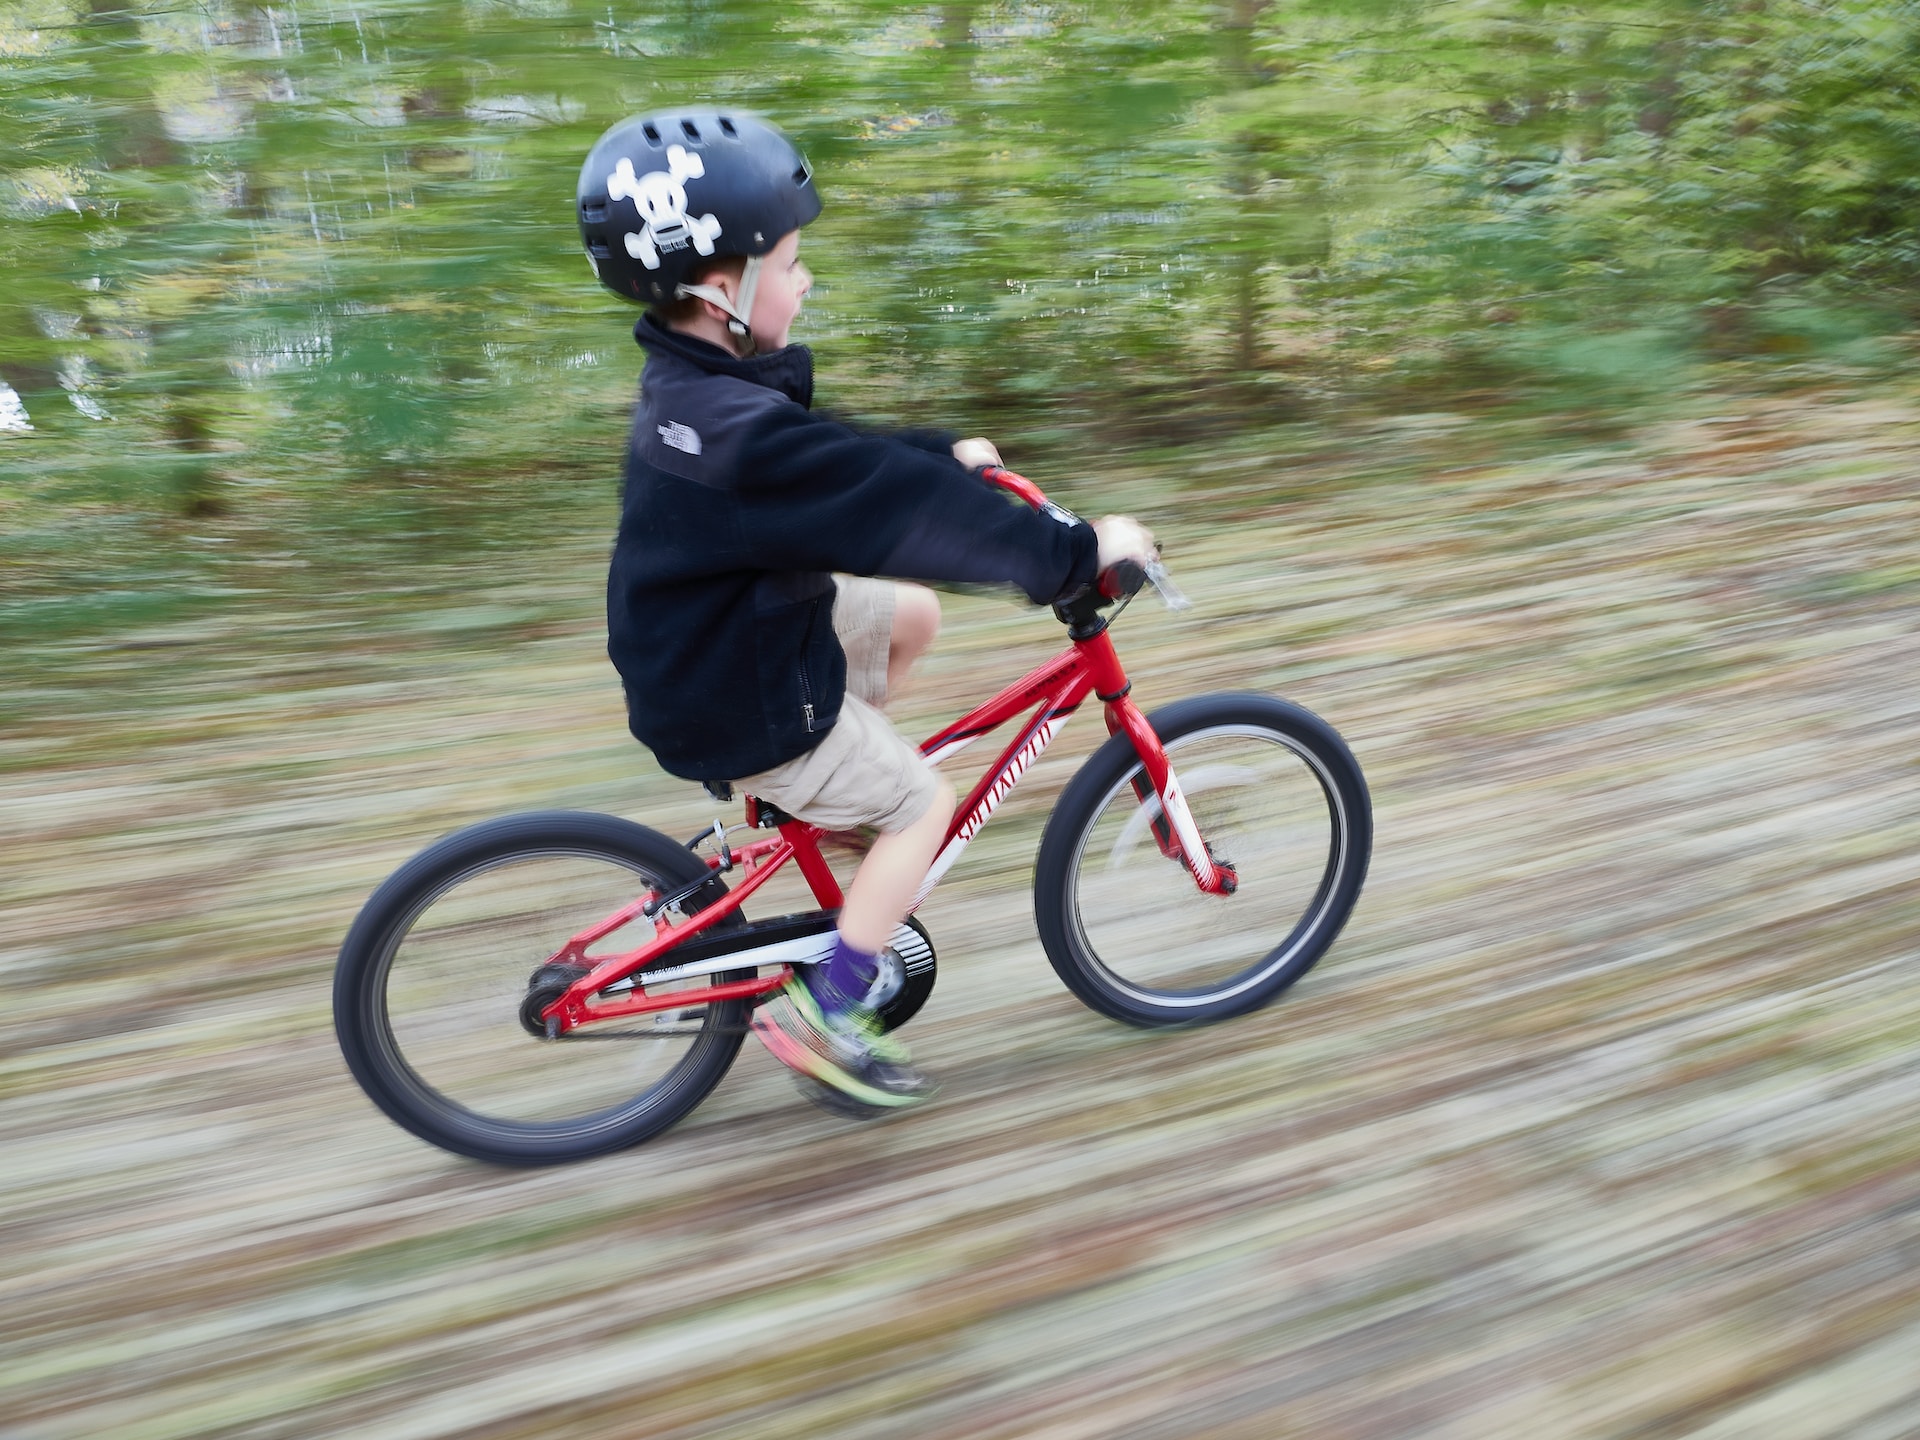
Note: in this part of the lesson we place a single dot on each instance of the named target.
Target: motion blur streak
(1600, 1120)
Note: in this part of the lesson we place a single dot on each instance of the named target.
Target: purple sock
(842, 980)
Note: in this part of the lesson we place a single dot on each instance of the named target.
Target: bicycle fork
(1174, 829)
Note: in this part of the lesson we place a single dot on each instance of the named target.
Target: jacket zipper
(806, 689)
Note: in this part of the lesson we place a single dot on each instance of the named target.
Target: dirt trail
(1603, 1119)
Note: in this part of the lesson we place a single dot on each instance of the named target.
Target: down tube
(997, 783)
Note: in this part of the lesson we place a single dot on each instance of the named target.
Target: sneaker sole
(834, 1102)
(797, 1057)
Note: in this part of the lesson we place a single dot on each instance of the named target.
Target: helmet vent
(599, 250)
(592, 213)
(652, 132)
(726, 128)
(802, 175)
(690, 130)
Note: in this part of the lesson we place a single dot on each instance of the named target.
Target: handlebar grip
(1122, 579)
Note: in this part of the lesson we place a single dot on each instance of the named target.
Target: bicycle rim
(453, 977)
(1269, 808)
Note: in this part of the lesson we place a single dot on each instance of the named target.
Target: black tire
(1276, 793)
(428, 991)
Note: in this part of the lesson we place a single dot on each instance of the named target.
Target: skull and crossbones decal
(661, 198)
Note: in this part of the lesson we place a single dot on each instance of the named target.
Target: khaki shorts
(864, 772)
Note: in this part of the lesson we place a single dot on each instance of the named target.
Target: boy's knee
(945, 799)
(916, 618)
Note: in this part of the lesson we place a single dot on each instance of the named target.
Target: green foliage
(1685, 179)
(321, 254)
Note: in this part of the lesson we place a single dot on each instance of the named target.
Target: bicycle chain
(664, 1032)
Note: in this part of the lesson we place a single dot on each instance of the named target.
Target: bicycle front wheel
(432, 1002)
(1276, 794)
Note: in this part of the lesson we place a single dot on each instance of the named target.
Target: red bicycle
(1198, 863)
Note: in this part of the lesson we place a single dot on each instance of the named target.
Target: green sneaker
(848, 1052)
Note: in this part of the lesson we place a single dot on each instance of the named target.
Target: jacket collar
(788, 370)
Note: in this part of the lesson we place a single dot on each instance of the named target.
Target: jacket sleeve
(937, 442)
(817, 494)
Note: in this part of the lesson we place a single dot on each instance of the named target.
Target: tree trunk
(1244, 175)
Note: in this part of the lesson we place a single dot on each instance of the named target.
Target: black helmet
(662, 195)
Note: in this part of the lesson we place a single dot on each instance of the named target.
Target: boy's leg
(916, 621)
(885, 884)
(876, 902)
(864, 772)
(884, 626)
(907, 618)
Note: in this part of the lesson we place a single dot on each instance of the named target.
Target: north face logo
(680, 437)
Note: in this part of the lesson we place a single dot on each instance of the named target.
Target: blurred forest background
(309, 270)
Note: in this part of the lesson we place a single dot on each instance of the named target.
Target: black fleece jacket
(739, 503)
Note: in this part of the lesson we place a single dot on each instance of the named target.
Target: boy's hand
(976, 453)
(1123, 538)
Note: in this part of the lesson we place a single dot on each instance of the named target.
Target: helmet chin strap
(736, 311)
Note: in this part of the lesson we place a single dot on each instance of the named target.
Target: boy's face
(784, 283)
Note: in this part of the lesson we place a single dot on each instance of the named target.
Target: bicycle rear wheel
(1276, 794)
(435, 975)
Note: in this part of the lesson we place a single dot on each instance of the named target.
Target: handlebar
(1119, 581)
(1015, 484)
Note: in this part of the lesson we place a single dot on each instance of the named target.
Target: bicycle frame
(1051, 693)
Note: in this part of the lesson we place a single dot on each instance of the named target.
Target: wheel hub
(544, 986)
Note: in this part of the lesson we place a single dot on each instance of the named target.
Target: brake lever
(1170, 593)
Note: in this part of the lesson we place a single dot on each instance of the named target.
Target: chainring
(915, 948)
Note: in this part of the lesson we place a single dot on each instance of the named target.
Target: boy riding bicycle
(746, 659)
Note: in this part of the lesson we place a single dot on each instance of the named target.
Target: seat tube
(813, 865)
